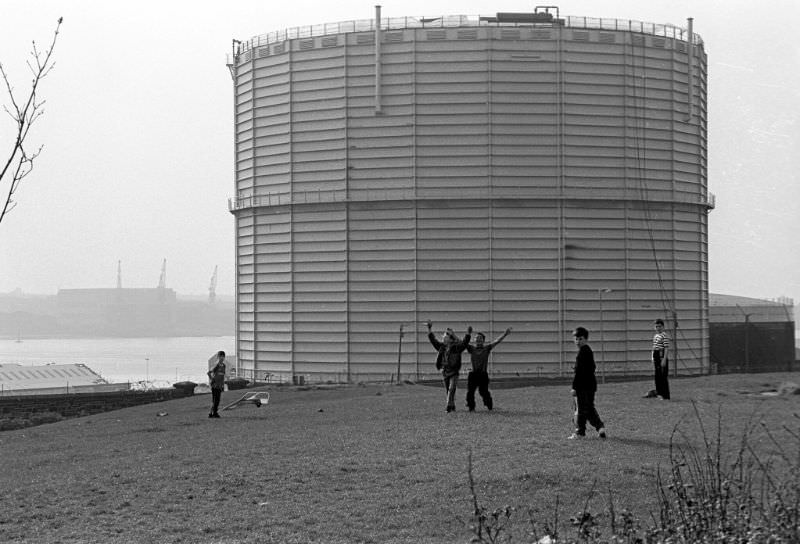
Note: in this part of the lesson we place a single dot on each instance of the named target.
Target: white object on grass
(257, 398)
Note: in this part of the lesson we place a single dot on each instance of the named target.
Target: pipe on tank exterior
(690, 74)
(378, 40)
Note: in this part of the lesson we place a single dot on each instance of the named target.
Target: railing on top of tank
(376, 195)
(445, 21)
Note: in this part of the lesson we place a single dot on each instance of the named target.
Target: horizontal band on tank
(496, 194)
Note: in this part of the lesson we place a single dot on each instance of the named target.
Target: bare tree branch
(24, 113)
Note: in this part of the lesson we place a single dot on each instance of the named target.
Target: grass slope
(353, 464)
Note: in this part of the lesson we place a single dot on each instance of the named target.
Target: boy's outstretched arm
(501, 337)
(432, 337)
(464, 342)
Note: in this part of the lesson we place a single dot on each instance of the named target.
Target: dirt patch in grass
(348, 464)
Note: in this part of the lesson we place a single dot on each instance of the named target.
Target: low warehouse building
(751, 335)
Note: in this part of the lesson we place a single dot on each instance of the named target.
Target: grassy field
(358, 464)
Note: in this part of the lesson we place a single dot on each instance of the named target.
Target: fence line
(613, 373)
(454, 21)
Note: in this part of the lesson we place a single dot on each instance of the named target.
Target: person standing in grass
(216, 378)
(660, 360)
(478, 378)
(448, 359)
(584, 387)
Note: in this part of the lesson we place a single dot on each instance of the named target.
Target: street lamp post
(746, 338)
(747, 343)
(147, 369)
(399, 352)
(602, 347)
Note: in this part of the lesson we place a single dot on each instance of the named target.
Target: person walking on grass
(216, 378)
(448, 359)
(478, 378)
(584, 387)
(660, 360)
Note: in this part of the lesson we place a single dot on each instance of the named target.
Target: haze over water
(123, 359)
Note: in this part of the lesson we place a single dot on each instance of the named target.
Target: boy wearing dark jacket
(584, 387)
(448, 360)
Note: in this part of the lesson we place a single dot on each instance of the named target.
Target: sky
(137, 163)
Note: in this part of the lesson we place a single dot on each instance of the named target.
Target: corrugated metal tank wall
(511, 176)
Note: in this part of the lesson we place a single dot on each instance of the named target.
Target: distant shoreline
(108, 337)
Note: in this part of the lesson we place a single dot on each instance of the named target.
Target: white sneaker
(576, 436)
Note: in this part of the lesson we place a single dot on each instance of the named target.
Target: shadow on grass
(499, 413)
(640, 442)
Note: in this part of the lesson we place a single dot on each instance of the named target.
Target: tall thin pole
(747, 342)
(602, 335)
(675, 343)
(399, 352)
(746, 338)
(602, 346)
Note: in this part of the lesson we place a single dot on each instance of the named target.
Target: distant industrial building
(117, 311)
(751, 335)
(521, 170)
(94, 312)
(137, 312)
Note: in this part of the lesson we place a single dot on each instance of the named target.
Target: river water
(123, 359)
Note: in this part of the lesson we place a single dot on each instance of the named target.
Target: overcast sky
(137, 163)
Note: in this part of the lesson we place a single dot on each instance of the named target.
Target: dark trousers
(478, 380)
(216, 395)
(586, 412)
(661, 375)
